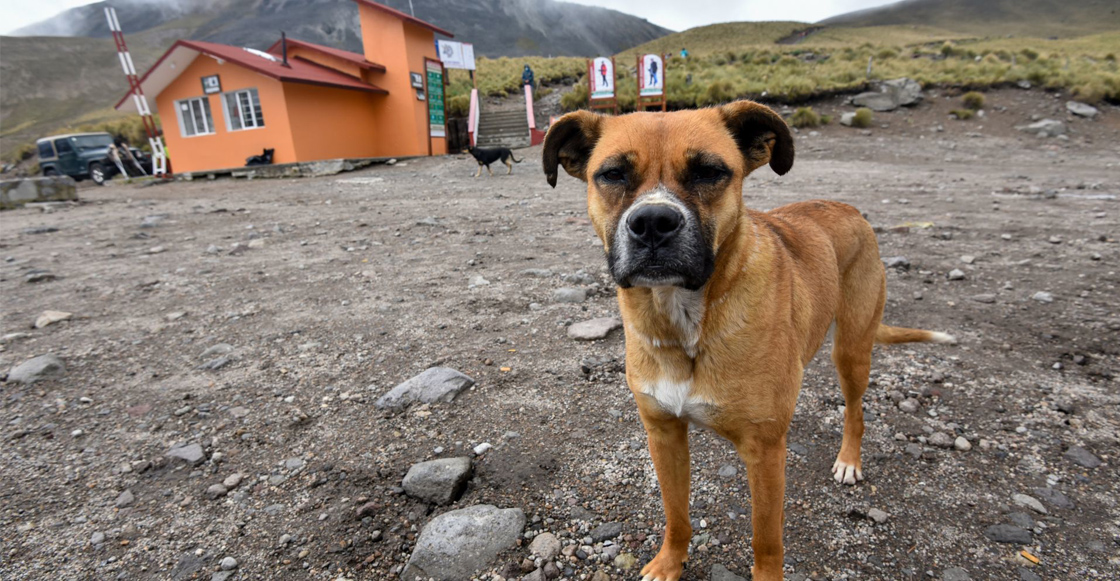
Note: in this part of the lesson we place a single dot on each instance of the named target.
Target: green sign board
(436, 117)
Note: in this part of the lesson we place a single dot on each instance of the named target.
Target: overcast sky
(672, 14)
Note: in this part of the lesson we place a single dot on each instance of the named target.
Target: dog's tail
(887, 335)
(515, 160)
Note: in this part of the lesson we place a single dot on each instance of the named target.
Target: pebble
(1082, 457)
(728, 471)
(125, 499)
(593, 329)
(1004, 533)
(482, 448)
(569, 295)
(97, 538)
(439, 481)
(897, 262)
(941, 440)
(721, 573)
(1043, 297)
(962, 444)
(955, 574)
(625, 561)
(457, 543)
(606, 532)
(984, 298)
(1029, 502)
(877, 515)
(293, 463)
(232, 480)
(545, 546)
(956, 274)
(228, 564)
(51, 317)
(908, 405)
(477, 281)
(216, 491)
(191, 454)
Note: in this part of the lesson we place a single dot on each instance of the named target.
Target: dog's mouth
(686, 267)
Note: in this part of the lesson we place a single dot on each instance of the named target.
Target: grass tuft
(973, 100)
(864, 117)
(805, 117)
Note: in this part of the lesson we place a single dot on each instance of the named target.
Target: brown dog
(724, 306)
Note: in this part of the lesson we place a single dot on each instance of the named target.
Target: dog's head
(664, 190)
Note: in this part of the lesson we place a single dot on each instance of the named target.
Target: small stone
(125, 499)
(256, 243)
(1053, 497)
(156, 250)
(569, 295)
(877, 515)
(728, 471)
(482, 448)
(897, 262)
(51, 317)
(941, 440)
(1082, 457)
(1043, 297)
(606, 532)
(1029, 502)
(477, 281)
(1021, 520)
(191, 454)
(908, 405)
(228, 564)
(439, 481)
(216, 491)
(1082, 109)
(436, 384)
(293, 463)
(984, 298)
(38, 275)
(956, 274)
(545, 546)
(232, 481)
(1028, 575)
(593, 329)
(955, 574)
(968, 259)
(962, 444)
(720, 573)
(456, 544)
(1004, 533)
(914, 450)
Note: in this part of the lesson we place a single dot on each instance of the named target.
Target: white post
(529, 107)
(472, 117)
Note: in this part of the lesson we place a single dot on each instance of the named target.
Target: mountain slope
(496, 27)
(1040, 18)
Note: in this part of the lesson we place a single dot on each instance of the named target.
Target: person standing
(652, 73)
(684, 53)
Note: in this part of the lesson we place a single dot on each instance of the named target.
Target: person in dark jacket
(527, 77)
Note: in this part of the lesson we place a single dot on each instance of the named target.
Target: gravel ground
(253, 324)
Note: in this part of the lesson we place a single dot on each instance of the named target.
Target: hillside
(1039, 18)
(496, 27)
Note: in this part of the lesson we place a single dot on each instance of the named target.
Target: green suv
(81, 156)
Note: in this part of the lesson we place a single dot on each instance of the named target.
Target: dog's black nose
(654, 224)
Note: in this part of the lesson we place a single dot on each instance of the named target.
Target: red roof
(405, 17)
(345, 55)
(297, 71)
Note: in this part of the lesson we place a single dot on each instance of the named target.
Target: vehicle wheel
(50, 172)
(97, 173)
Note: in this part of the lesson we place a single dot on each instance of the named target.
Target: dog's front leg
(765, 457)
(668, 445)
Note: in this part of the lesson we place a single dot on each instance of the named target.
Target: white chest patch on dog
(675, 397)
(685, 310)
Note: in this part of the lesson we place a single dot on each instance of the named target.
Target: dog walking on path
(485, 157)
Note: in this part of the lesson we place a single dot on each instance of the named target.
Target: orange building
(220, 104)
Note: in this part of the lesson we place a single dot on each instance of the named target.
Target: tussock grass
(805, 117)
(962, 114)
(864, 117)
(973, 100)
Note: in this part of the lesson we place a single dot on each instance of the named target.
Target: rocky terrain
(251, 379)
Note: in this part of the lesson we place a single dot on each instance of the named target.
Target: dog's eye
(612, 176)
(708, 173)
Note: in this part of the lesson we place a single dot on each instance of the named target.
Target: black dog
(485, 157)
(265, 158)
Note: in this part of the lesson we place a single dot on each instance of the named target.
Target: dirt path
(330, 291)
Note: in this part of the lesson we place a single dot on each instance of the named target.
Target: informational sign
(211, 85)
(652, 77)
(456, 55)
(417, 80)
(436, 117)
(602, 78)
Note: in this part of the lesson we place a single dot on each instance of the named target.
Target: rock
(728, 471)
(188, 565)
(1029, 502)
(875, 101)
(536, 575)
(438, 481)
(216, 350)
(440, 384)
(961, 444)
(720, 573)
(569, 295)
(256, 243)
(892, 94)
(215, 364)
(228, 564)
(39, 275)
(36, 369)
(908, 405)
(593, 329)
(551, 571)
(456, 544)
(125, 499)
(39, 230)
(606, 532)
(600, 576)
(232, 481)
(956, 274)
(51, 317)
(482, 448)
(191, 454)
(545, 546)
(897, 262)
(1075, 454)
(941, 440)
(847, 118)
(1028, 575)
(477, 281)
(1021, 520)
(1082, 109)
(625, 561)
(968, 258)
(955, 574)
(293, 463)
(216, 491)
(225, 575)
(984, 298)
(1045, 128)
(1053, 497)
(1008, 534)
(97, 538)
(537, 272)
(1043, 297)
(877, 515)
(914, 450)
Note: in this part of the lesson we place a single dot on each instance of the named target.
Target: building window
(243, 110)
(194, 117)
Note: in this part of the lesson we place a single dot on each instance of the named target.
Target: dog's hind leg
(479, 172)
(668, 446)
(489, 171)
(509, 165)
(862, 295)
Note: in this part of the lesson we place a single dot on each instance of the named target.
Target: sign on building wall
(456, 55)
(602, 78)
(436, 119)
(417, 80)
(652, 76)
(211, 85)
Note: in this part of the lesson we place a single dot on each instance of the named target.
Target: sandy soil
(332, 290)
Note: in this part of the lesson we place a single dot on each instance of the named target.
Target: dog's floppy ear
(762, 135)
(569, 143)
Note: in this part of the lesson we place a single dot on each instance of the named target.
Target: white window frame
(208, 118)
(254, 98)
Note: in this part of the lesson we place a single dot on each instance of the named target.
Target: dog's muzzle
(659, 242)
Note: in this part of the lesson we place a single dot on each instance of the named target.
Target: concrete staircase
(506, 128)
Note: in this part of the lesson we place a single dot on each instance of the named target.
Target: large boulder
(438, 481)
(456, 544)
(36, 369)
(437, 384)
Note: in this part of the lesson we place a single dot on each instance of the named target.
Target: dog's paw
(663, 567)
(846, 473)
